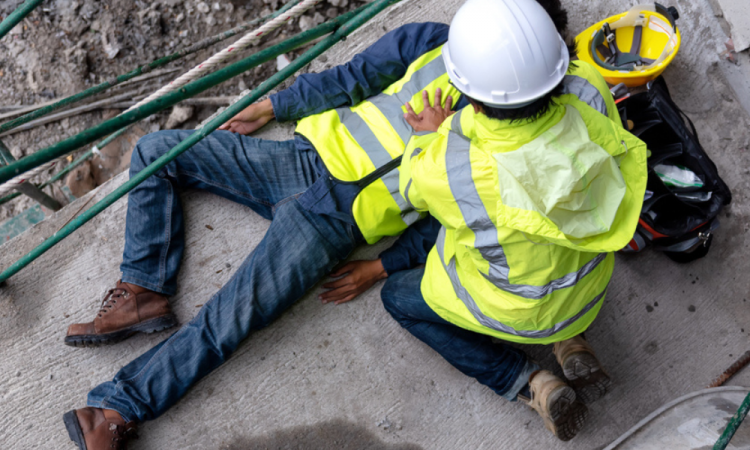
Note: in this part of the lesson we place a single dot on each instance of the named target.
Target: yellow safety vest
(531, 212)
(364, 143)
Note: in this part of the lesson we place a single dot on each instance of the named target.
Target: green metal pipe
(73, 164)
(141, 70)
(17, 16)
(367, 13)
(193, 88)
(733, 425)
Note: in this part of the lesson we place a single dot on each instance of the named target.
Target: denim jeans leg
(502, 368)
(298, 249)
(254, 172)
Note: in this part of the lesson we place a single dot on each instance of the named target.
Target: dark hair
(558, 14)
(530, 112)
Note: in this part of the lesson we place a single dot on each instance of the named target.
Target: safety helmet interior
(504, 53)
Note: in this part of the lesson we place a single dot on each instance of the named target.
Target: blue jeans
(299, 248)
(502, 368)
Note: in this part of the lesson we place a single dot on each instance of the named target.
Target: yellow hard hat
(633, 47)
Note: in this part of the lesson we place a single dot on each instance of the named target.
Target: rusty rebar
(733, 369)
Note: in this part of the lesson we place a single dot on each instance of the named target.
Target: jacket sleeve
(412, 247)
(367, 74)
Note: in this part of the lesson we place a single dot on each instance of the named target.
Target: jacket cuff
(391, 263)
(283, 105)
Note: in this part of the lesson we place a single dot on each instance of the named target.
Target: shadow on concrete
(336, 434)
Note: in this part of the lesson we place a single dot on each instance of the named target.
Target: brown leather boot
(582, 369)
(123, 313)
(98, 429)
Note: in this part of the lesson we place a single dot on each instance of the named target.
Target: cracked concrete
(348, 376)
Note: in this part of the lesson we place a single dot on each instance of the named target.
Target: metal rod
(189, 90)
(140, 70)
(40, 197)
(733, 369)
(17, 16)
(362, 16)
(28, 189)
(71, 112)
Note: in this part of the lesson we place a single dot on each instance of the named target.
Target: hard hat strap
(615, 59)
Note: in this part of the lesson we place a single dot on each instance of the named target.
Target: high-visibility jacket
(531, 212)
(364, 143)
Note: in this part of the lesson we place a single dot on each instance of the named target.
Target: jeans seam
(284, 201)
(219, 185)
(168, 235)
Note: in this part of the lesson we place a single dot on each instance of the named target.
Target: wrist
(266, 108)
(378, 268)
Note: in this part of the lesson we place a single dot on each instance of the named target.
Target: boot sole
(74, 429)
(566, 413)
(148, 327)
(586, 376)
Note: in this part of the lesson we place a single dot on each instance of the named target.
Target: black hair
(558, 14)
(530, 112)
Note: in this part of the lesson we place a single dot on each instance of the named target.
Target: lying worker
(534, 189)
(330, 189)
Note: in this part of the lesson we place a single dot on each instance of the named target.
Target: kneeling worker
(534, 189)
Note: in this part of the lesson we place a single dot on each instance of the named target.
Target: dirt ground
(65, 46)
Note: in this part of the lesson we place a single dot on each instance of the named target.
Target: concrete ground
(328, 377)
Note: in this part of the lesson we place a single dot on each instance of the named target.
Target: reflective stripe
(408, 183)
(390, 105)
(461, 181)
(489, 322)
(456, 123)
(379, 156)
(585, 91)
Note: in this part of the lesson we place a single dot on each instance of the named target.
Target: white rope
(196, 72)
(225, 54)
(13, 183)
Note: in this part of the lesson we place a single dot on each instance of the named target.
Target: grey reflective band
(390, 105)
(456, 123)
(461, 182)
(585, 91)
(491, 323)
(408, 184)
(379, 156)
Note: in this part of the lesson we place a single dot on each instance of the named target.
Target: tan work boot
(582, 369)
(125, 310)
(556, 402)
(98, 429)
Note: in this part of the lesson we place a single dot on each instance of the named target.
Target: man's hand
(251, 118)
(359, 277)
(431, 116)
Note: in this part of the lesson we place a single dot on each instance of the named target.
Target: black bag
(679, 221)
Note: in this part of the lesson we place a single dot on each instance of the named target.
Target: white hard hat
(504, 53)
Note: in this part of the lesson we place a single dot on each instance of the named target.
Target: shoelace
(111, 299)
(121, 435)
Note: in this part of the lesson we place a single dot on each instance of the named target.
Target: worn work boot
(125, 310)
(557, 403)
(98, 429)
(582, 369)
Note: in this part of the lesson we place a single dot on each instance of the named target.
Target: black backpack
(679, 221)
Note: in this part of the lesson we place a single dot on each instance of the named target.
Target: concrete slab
(348, 376)
(737, 13)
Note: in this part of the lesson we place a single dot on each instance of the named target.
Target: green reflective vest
(531, 214)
